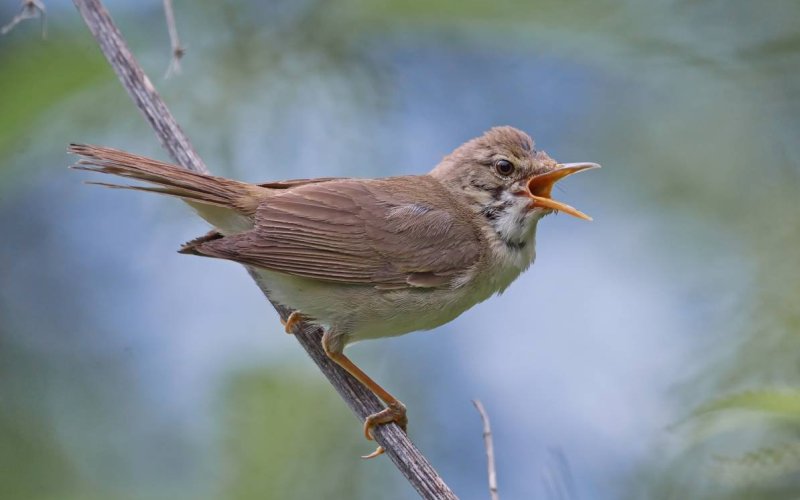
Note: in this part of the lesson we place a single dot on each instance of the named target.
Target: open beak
(540, 186)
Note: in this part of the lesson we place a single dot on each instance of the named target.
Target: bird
(371, 258)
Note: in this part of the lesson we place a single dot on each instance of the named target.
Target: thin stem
(178, 51)
(489, 445)
(29, 9)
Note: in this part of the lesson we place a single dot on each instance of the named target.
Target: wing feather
(377, 232)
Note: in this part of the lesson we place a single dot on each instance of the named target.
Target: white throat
(511, 234)
(512, 220)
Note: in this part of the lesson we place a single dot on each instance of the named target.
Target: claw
(292, 321)
(393, 413)
(378, 452)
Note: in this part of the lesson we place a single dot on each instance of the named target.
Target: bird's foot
(292, 321)
(395, 412)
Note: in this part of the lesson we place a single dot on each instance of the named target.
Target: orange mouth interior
(541, 186)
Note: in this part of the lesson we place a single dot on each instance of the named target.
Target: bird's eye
(504, 167)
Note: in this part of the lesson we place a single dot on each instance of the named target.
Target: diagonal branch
(411, 463)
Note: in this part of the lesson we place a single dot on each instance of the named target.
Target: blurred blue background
(653, 353)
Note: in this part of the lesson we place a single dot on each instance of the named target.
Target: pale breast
(364, 312)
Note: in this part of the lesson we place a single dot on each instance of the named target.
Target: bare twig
(406, 457)
(178, 51)
(29, 9)
(489, 444)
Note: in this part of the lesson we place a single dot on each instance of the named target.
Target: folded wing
(380, 232)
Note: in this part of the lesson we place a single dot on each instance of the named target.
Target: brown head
(502, 176)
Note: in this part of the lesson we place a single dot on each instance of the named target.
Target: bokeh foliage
(695, 116)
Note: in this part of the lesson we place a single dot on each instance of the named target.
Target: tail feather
(192, 247)
(170, 180)
(190, 197)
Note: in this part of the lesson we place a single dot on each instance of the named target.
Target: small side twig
(178, 50)
(30, 9)
(489, 444)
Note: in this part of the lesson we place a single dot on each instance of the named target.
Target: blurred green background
(654, 353)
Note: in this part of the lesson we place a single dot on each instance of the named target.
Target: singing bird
(372, 258)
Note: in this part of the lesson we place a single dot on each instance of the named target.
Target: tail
(203, 192)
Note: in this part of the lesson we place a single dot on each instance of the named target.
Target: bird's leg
(292, 321)
(395, 411)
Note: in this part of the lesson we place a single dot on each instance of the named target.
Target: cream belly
(363, 312)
